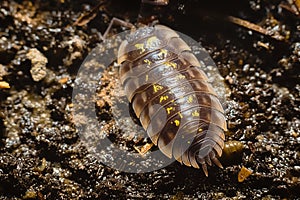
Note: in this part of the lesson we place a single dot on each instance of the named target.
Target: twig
(86, 18)
(254, 27)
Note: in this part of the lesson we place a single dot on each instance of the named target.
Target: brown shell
(170, 95)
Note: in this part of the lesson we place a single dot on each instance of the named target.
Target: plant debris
(243, 174)
(256, 28)
(4, 85)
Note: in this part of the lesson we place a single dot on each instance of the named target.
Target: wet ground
(42, 155)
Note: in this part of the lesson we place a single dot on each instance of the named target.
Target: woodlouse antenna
(120, 22)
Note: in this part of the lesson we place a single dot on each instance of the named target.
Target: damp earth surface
(42, 47)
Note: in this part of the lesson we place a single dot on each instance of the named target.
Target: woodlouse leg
(117, 21)
(156, 2)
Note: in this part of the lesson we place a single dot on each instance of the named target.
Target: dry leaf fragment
(243, 174)
(144, 149)
(4, 85)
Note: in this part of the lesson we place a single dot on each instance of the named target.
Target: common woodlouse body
(172, 97)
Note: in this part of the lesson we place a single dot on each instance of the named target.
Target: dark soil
(41, 153)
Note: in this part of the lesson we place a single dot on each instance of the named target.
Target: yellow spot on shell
(163, 98)
(140, 47)
(180, 115)
(171, 64)
(195, 113)
(169, 110)
(180, 77)
(157, 88)
(190, 99)
(163, 53)
(147, 61)
(200, 129)
(152, 42)
(147, 77)
(177, 122)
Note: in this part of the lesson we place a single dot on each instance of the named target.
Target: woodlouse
(172, 97)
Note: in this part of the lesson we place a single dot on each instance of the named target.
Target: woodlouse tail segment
(202, 162)
(217, 162)
(211, 157)
(204, 168)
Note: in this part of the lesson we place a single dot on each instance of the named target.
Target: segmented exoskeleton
(172, 97)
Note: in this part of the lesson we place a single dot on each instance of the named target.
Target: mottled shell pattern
(172, 97)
